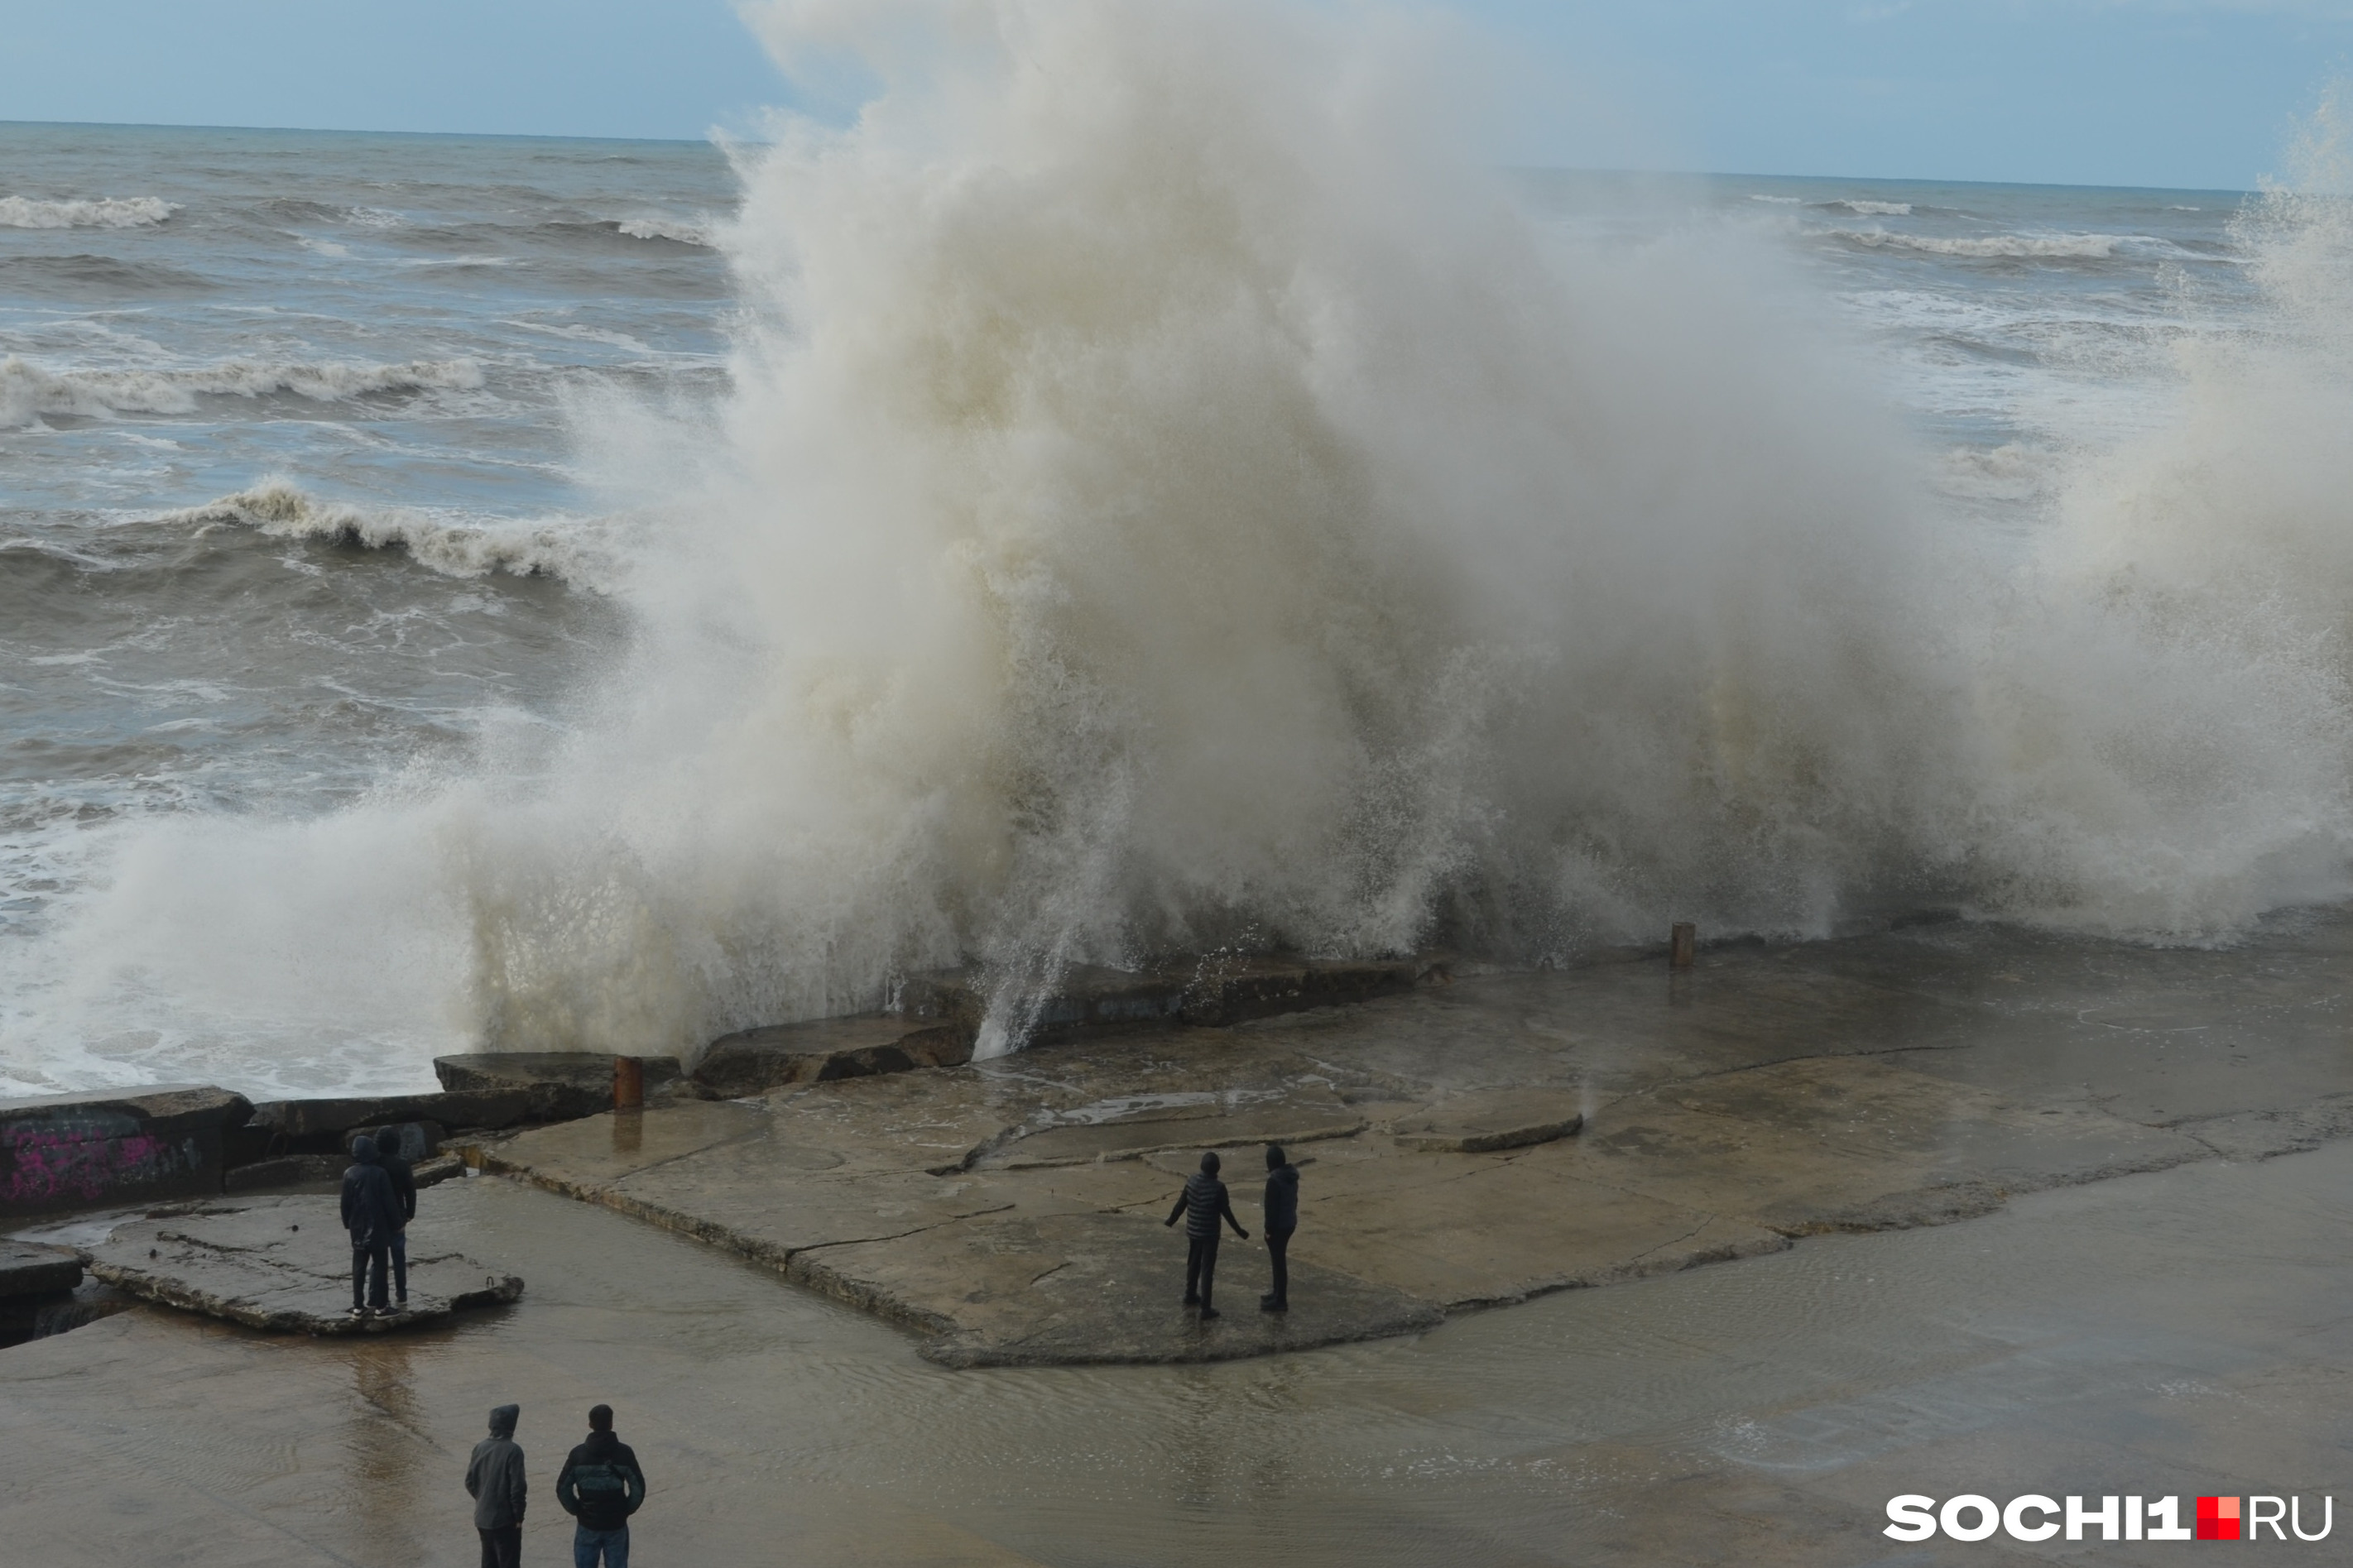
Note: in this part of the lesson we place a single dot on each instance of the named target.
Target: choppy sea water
(308, 504)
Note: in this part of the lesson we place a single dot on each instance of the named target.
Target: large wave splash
(1175, 499)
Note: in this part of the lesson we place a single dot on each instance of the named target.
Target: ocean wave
(2018, 246)
(1781, 201)
(28, 392)
(670, 228)
(454, 545)
(1874, 209)
(126, 212)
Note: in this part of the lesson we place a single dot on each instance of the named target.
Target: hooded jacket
(494, 1477)
(1282, 1200)
(371, 1209)
(1203, 1203)
(601, 1483)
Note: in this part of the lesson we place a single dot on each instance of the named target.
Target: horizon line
(711, 138)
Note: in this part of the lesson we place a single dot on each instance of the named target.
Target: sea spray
(1173, 498)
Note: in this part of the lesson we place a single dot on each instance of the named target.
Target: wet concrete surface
(1495, 1138)
(2184, 1332)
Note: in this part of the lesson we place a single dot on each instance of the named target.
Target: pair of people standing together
(1204, 1202)
(600, 1485)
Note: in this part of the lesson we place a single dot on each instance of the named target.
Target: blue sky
(2184, 92)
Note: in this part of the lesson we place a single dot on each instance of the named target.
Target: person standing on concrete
(601, 1486)
(1282, 1219)
(404, 1187)
(495, 1480)
(372, 1213)
(1203, 1203)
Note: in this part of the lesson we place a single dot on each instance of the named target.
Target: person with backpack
(495, 1480)
(1203, 1203)
(601, 1487)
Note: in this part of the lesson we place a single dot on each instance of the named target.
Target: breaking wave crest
(676, 229)
(466, 547)
(128, 212)
(1171, 501)
(2020, 247)
(28, 392)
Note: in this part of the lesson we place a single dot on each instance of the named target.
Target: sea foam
(129, 212)
(28, 391)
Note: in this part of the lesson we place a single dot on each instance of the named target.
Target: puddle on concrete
(2184, 1331)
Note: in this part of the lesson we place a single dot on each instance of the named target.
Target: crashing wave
(126, 212)
(455, 546)
(28, 392)
(1874, 209)
(675, 229)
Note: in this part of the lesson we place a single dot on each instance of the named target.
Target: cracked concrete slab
(282, 1264)
(1008, 1209)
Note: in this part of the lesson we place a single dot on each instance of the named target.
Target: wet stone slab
(284, 1265)
(1481, 1141)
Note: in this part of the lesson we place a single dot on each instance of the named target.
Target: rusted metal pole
(1682, 945)
(629, 1084)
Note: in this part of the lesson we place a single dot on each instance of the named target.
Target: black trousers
(1200, 1267)
(501, 1547)
(1278, 1248)
(369, 1260)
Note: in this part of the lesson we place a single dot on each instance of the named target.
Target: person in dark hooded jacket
(404, 1187)
(495, 1480)
(601, 1486)
(1282, 1219)
(372, 1213)
(1202, 1205)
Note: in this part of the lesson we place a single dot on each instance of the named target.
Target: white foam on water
(574, 550)
(680, 229)
(28, 391)
(1172, 497)
(112, 212)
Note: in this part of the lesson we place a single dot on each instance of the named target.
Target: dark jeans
(400, 1264)
(501, 1547)
(1200, 1267)
(587, 1544)
(368, 1263)
(1278, 1246)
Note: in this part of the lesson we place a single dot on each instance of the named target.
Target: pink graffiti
(39, 1166)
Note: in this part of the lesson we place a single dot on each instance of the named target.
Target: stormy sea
(563, 594)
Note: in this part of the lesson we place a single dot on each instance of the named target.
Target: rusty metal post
(629, 1084)
(1682, 945)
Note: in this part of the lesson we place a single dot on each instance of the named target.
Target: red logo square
(2217, 1518)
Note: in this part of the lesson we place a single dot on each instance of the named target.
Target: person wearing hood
(1203, 1204)
(404, 1187)
(372, 1213)
(601, 1486)
(495, 1480)
(1282, 1219)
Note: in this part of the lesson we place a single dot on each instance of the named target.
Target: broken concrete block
(757, 1060)
(1479, 1123)
(28, 1269)
(283, 1263)
(112, 1146)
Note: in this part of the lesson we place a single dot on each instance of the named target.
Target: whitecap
(126, 212)
(677, 229)
(28, 391)
(457, 545)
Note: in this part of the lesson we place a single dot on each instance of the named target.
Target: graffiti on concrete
(60, 1159)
